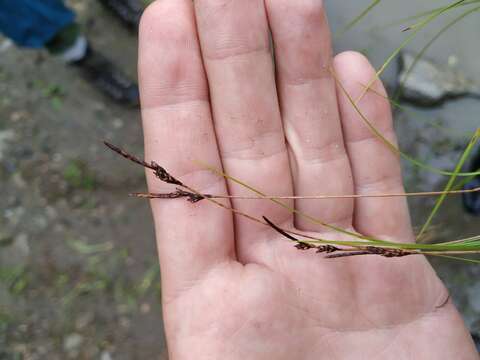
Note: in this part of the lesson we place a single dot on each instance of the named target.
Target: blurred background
(79, 277)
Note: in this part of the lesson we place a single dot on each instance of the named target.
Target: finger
(376, 169)
(309, 110)
(235, 46)
(178, 128)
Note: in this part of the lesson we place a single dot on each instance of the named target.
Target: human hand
(236, 289)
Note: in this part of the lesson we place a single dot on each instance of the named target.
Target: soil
(78, 267)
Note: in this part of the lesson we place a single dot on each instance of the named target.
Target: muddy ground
(79, 277)
(79, 273)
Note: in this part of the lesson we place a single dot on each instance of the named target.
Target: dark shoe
(471, 201)
(108, 78)
(128, 11)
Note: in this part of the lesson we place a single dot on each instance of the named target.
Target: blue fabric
(471, 201)
(32, 23)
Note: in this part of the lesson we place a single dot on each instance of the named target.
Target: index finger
(178, 129)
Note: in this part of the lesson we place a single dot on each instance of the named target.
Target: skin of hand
(236, 289)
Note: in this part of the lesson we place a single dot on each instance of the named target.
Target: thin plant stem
(285, 206)
(358, 18)
(416, 28)
(304, 197)
(416, 16)
(427, 46)
(390, 145)
(363, 246)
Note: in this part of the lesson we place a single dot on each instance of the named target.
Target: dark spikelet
(276, 228)
(194, 198)
(303, 246)
(390, 253)
(179, 193)
(372, 250)
(159, 171)
(127, 155)
(163, 175)
(327, 249)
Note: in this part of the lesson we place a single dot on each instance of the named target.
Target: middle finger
(235, 42)
(319, 161)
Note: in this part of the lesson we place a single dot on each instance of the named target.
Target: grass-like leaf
(285, 206)
(414, 29)
(390, 145)
(358, 18)
(451, 182)
(335, 249)
(420, 15)
(427, 46)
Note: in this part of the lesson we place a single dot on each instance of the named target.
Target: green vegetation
(52, 91)
(78, 176)
(15, 279)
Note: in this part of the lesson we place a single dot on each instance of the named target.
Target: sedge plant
(356, 244)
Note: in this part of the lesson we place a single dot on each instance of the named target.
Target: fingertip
(166, 20)
(353, 61)
(169, 64)
(151, 17)
(351, 56)
(355, 72)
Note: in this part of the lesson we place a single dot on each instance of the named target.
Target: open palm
(236, 289)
